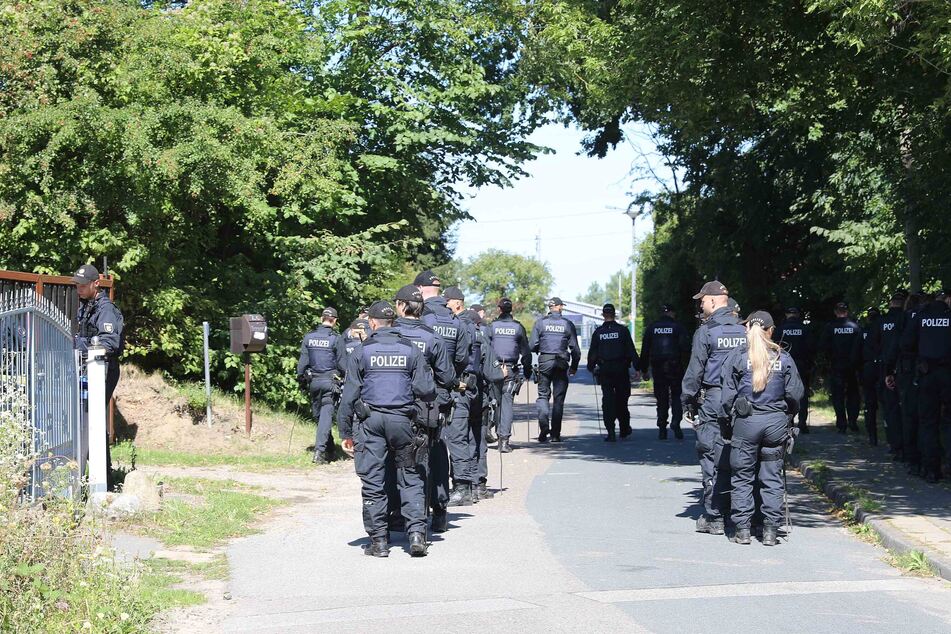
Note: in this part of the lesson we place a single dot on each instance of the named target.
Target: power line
(555, 217)
(534, 238)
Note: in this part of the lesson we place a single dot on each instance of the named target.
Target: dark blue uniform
(929, 338)
(453, 405)
(760, 437)
(842, 344)
(900, 362)
(321, 353)
(510, 343)
(889, 337)
(713, 342)
(663, 348)
(483, 365)
(386, 375)
(871, 374)
(555, 341)
(612, 353)
(796, 339)
(99, 317)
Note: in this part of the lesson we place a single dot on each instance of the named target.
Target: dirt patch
(156, 415)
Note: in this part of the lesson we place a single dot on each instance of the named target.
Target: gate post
(96, 372)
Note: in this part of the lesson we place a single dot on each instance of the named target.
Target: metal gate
(40, 383)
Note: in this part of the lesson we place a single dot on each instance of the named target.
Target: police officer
(713, 342)
(510, 343)
(353, 336)
(409, 305)
(99, 317)
(842, 344)
(386, 375)
(453, 404)
(871, 371)
(555, 340)
(929, 338)
(889, 337)
(794, 336)
(485, 367)
(901, 375)
(761, 391)
(321, 354)
(663, 347)
(610, 356)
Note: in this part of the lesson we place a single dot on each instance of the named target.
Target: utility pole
(538, 245)
(632, 214)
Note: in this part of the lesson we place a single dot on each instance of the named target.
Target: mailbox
(248, 334)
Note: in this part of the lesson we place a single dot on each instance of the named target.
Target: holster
(361, 410)
(742, 407)
(427, 414)
(420, 445)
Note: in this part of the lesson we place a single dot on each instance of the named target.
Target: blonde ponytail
(763, 353)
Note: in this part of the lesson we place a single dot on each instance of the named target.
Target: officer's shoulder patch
(107, 327)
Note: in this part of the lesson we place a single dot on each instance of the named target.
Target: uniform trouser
(804, 401)
(462, 443)
(479, 423)
(871, 373)
(891, 410)
(934, 415)
(506, 409)
(438, 473)
(615, 393)
(844, 392)
(322, 408)
(552, 385)
(668, 377)
(908, 399)
(373, 439)
(758, 439)
(112, 379)
(714, 454)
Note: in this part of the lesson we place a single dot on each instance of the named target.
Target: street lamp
(633, 214)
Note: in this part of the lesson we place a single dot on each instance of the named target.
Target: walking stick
(597, 405)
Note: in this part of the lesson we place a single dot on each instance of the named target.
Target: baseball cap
(505, 303)
(382, 310)
(941, 295)
(409, 293)
(329, 312)
(761, 317)
(474, 316)
(608, 308)
(555, 301)
(713, 287)
(842, 306)
(666, 308)
(427, 278)
(900, 294)
(477, 307)
(793, 310)
(733, 305)
(453, 292)
(85, 274)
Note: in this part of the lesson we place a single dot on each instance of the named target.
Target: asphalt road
(586, 536)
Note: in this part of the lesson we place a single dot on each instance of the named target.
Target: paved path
(587, 537)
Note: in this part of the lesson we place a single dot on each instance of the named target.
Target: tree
(494, 274)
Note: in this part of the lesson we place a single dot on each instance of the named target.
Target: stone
(125, 505)
(141, 485)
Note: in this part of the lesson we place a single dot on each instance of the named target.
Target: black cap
(733, 305)
(793, 310)
(409, 293)
(942, 295)
(453, 292)
(761, 317)
(874, 312)
(427, 278)
(555, 301)
(85, 274)
(608, 308)
(477, 307)
(842, 306)
(363, 309)
(329, 312)
(899, 296)
(505, 304)
(713, 287)
(474, 316)
(360, 324)
(666, 308)
(382, 310)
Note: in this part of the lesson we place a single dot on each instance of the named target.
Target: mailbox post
(248, 335)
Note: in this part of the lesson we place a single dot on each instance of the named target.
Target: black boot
(440, 521)
(742, 536)
(417, 544)
(706, 525)
(770, 536)
(543, 435)
(490, 436)
(803, 428)
(461, 495)
(396, 524)
(662, 433)
(320, 457)
(678, 432)
(482, 490)
(610, 437)
(853, 426)
(378, 547)
(504, 445)
(626, 432)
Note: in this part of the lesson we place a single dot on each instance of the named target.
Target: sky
(575, 203)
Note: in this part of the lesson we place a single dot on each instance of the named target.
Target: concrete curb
(892, 538)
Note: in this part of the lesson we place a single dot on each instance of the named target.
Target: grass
(194, 393)
(913, 562)
(122, 453)
(821, 404)
(216, 569)
(222, 509)
(821, 470)
(863, 499)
